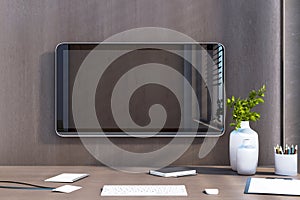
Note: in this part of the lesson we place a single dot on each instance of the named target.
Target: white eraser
(211, 191)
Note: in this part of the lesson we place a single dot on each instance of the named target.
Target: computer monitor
(139, 89)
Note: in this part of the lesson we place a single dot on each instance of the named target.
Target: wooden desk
(230, 184)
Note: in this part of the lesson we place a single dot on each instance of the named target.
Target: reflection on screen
(140, 89)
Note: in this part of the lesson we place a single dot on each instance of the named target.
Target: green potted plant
(241, 114)
(242, 107)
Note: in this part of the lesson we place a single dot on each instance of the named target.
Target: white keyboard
(143, 190)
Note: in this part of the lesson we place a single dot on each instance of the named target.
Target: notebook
(67, 177)
(173, 172)
(276, 186)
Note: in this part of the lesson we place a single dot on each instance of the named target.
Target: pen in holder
(286, 162)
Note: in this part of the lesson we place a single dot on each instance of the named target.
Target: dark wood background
(30, 30)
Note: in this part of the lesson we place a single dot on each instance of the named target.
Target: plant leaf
(232, 124)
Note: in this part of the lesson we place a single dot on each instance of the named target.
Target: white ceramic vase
(246, 159)
(236, 140)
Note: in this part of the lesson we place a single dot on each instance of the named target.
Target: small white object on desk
(66, 178)
(286, 160)
(212, 191)
(66, 189)
(286, 164)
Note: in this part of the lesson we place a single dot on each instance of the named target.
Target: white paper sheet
(66, 189)
(66, 178)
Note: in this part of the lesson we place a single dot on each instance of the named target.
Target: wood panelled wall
(30, 30)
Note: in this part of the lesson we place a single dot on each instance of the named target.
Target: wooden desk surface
(230, 184)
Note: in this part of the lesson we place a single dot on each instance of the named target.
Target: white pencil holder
(286, 164)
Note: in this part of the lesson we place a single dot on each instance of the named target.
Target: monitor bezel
(59, 47)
